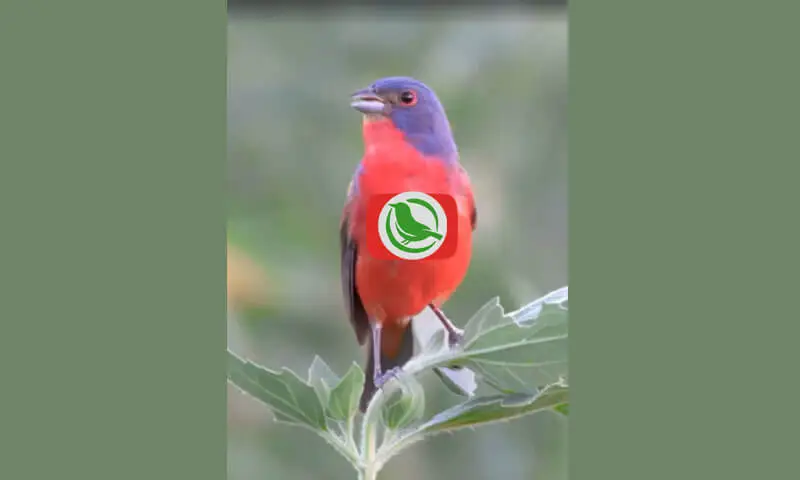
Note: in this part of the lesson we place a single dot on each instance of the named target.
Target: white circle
(420, 213)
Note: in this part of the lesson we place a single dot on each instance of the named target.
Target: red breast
(394, 290)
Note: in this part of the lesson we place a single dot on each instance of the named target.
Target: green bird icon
(409, 228)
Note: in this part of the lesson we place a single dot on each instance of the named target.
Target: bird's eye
(408, 98)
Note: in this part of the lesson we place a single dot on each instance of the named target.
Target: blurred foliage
(293, 143)
(532, 339)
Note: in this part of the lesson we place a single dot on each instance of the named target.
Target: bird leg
(379, 377)
(454, 334)
(380, 380)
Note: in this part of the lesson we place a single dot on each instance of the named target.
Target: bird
(408, 146)
(409, 228)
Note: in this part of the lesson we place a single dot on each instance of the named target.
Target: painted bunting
(409, 146)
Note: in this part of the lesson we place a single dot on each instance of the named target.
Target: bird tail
(397, 348)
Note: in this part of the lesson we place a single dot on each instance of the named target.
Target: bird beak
(368, 102)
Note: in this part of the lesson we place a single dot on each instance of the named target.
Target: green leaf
(484, 410)
(433, 338)
(522, 358)
(563, 409)
(532, 311)
(460, 381)
(476, 324)
(343, 402)
(505, 379)
(503, 340)
(520, 352)
(404, 405)
(322, 379)
(290, 398)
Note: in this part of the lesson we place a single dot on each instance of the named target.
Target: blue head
(414, 109)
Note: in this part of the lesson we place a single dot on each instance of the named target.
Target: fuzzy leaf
(343, 402)
(460, 381)
(404, 405)
(322, 379)
(483, 410)
(476, 323)
(291, 399)
(531, 311)
(519, 352)
(433, 338)
(525, 357)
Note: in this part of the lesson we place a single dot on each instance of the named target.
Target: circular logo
(412, 225)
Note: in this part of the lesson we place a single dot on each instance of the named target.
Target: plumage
(407, 148)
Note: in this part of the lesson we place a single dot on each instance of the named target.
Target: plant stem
(370, 467)
(369, 432)
(369, 470)
(349, 434)
(368, 447)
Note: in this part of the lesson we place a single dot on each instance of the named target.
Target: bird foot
(380, 379)
(454, 334)
(455, 337)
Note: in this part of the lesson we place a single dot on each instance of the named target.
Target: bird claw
(455, 338)
(380, 379)
(454, 334)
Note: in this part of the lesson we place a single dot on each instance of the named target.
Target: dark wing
(474, 217)
(467, 186)
(355, 309)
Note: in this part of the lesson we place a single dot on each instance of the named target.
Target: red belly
(392, 290)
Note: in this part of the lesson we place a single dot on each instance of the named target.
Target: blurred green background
(293, 142)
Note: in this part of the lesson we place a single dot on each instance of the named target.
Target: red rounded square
(375, 245)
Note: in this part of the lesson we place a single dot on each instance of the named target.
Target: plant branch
(502, 349)
(369, 433)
